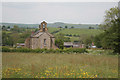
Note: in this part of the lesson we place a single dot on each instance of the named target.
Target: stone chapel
(41, 39)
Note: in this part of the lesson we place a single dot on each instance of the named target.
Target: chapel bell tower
(43, 27)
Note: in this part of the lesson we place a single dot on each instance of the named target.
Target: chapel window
(44, 41)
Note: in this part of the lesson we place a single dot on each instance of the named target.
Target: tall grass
(37, 65)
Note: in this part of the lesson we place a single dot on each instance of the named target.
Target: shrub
(37, 51)
(23, 50)
(5, 49)
(66, 50)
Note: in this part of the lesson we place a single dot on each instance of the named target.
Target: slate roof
(38, 33)
(71, 44)
(68, 44)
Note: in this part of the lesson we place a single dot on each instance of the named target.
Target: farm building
(73, 45)
(68, 44)
(41, 39)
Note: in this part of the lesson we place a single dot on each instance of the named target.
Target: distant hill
(21, 25)
(56, 24)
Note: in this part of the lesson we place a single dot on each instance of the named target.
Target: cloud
(35, 12)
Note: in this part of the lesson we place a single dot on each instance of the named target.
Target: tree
(59, 43)
(8, 27)
(7, 39)
(66, 27)
(72, 27)
(36, 29)
(90, 27)
(16, 28)
(60, 27)
(66, 39)
(111, 27)
(60, 39)
(15, 37)
(112, 36)
(88, 42)
(97, 40)
(110, 17)
(3, 27)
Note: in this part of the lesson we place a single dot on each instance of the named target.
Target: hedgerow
(27, 50)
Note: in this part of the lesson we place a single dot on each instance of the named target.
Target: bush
(5, 49)
(66, 50)
(77, 50)
(37, 50)
(23, 50)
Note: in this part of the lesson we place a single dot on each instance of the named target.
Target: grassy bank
(59, 65)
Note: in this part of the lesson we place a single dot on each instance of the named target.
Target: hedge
(26, 50)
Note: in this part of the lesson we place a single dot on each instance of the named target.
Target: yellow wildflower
(95, 75)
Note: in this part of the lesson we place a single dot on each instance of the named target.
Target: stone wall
(53, 44)
(34, 43)
(27, 43)
(38, 42)
(48, 41)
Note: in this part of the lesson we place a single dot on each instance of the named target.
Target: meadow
(82, 32)
(34, 65)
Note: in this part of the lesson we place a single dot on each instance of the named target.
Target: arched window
(44, 41)
(43, 27)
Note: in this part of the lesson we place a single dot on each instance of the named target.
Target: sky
(67, 12)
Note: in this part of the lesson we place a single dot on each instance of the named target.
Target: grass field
(35, 65)
(84, 33)
(81, 31)
(52, 29)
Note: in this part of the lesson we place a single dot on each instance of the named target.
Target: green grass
(16, 65)
(52, 29)
(79, 31)
(74, 38)
(84, 33)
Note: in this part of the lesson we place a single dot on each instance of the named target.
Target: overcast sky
(74, 12)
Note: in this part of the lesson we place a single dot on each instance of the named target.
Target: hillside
(56, 24)
(60, 24)
(83, 33)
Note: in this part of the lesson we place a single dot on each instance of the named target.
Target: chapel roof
(38, 34)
